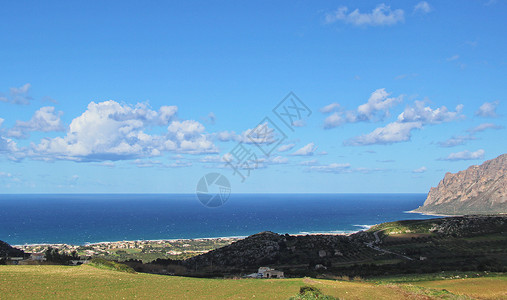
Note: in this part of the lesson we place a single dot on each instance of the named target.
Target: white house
(37, 256)
(267, 272)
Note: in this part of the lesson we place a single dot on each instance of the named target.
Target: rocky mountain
(476, 190)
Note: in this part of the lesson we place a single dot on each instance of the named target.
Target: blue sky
(131, 97)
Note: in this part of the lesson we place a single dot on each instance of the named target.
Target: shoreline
(430, 214)
(333, 232)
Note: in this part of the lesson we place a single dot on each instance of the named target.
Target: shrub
(311, 293)
(110, 265)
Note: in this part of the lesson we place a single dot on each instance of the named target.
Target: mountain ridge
(480, 189)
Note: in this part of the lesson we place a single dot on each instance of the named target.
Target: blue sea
(91, 218)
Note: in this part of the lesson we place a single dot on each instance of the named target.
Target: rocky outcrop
(476, 190)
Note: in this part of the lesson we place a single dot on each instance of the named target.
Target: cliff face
(476, 190)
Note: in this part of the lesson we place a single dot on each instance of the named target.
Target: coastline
(333, 232)
(430, 214)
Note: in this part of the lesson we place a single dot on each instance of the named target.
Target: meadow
(81, 282)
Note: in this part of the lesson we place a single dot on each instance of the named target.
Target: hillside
(7, 251)
(36, 282)
(476, 190)
(471, 243)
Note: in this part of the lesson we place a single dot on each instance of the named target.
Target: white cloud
(379, 16)
(147, 163)
(262, 134)
(278, 160)
(311, 162)
(333, 120)
(331, 168)
(18, 95)
(379, 101)
(462, 139)
(456, 141)
(286, 147)
(466, 155)
(488, 109)
(307, 150)
(226, 136)
(413, 117)
(392, 133)
(452, 58)
(210, 119)
(420, 170)
(422, 7)
(427, 115)
(483, 127)
(299, 123)
(112, 131)
(330, 107)
(376, 108)
(212, 159)
(44, 120)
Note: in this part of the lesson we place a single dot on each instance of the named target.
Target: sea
(91, 218)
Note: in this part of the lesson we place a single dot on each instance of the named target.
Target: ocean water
(91, 218)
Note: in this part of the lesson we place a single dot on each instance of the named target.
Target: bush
(110, 265)
(311, 293)
(304, 289)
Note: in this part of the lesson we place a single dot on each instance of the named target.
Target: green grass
(110, 265)
(63, 282)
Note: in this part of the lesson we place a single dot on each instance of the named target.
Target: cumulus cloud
(44, 120)
(420, 170)
(426, 115)
(392, 133)
(413, 117)
(381, 15)
(18, 95)
(376, 108)
(334, 120)
(488, 109)
(466, 155)
(422, 7)
(112, 131)
(307, 150)
(330, 107)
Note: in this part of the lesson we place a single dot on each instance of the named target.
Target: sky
(277, 96)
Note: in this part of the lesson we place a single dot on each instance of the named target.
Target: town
(146, 251)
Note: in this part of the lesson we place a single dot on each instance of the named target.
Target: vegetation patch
(110, 265)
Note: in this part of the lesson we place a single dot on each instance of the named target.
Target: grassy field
(30, 282)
